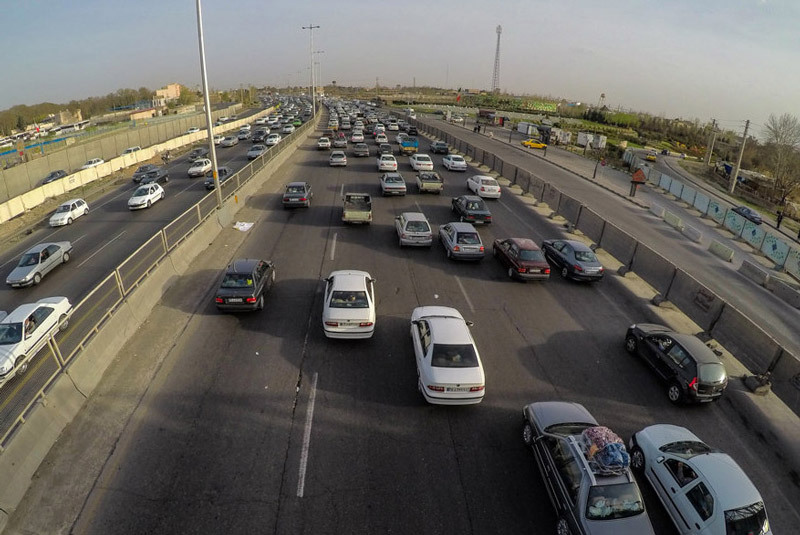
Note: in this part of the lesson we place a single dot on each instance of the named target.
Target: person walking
(779, 219)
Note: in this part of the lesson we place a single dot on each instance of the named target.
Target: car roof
(701, 352)
(577, 245)
(459, 226)
(296, 184)
(414, 216)
(549, 413)
(71, 201)
(349, 279)
(38, 247)
(242, 265)
(731, 485)
(471, 198)
(524, 243)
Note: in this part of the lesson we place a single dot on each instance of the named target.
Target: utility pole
(735, 171)
(207, 102)
(311, 29)
(710, 148)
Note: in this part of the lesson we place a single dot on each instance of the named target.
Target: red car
(522, 257)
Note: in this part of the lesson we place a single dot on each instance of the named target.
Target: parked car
(349, 305)
(484, 186)
(461, 241)
(244, 285)
(94, 162)
(323, 143)
(256, 151)
(192, 130)
(534, 144)
(26, 329)
(131, 150)
(414, 229)
(69, 211)
(454, 162)
(691, 371)
(37, 262)
(523, 258)
(585, 469)
(439, 147)
(297, 194)
(421, 162)
(52, 176)
(748, 213)
(199, 152)
(449, 368)
(155, 176)
(273, 139)
(387, 162)
(471, 209)
(337, 159)
(360, 150)
(142, 171)
(573, 259)
(199, 167)
(428, 181)
(223, 174)
(145, 196)
(392, 184)
(704, 491)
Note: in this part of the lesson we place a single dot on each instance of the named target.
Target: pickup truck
(357, 208)
(409, 145)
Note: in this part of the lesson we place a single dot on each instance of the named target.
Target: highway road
(258, 423)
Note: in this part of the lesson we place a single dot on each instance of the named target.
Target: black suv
(412, 131)
(691, 370)
(439, 147)
(244, 285)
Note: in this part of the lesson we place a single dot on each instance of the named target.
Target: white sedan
(26, 330)
(421, 162)
(218, 139)
(145, 196)
(256, 151)
(348, 310)
(454, 162)
(200, 167)
(381, 138)
(387, 162)
(449, 369)
(94, 162)
(272, 139)
(484, 186)
(357, 137)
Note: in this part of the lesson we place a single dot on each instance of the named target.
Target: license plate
(534, 271)
(235, 300)
(457, 389)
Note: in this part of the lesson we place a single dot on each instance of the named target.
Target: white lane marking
(417, 205)
(79, 238)
(523, 221)
(333, 246)
(103, 247)
(463, 291)
(301, 483)
(114, 198)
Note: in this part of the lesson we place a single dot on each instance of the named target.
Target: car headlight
(5, 368)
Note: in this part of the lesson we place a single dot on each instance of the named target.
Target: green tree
(782, 141)
(187, 96)
(20, 123)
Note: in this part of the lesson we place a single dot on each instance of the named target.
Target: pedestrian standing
(779, 219)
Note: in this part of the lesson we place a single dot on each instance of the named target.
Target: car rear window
(10, 333)
(468, 238)
(457, 159)
(608, 502)
(237, 280)
(713, 372)
(418, 226)
(533, 256)
(357, 299)
(454, 356)
(585, 256)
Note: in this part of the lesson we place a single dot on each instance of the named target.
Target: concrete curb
(721, 250)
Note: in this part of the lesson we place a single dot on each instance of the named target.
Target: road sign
(639, 177)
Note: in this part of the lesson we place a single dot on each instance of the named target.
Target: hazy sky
(728, 59)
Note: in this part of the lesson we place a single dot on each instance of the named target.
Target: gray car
(297, 194)
(461, 241)
(37, 262)
(573, 259)
(585, 469)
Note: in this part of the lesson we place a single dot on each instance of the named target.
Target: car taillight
(476, 388)
(436, 388)
(488, 217)
(546, 271)
(251, 299)
(481, 248)
(365, 324)
(577, 267)
(456, 248)
(286, 199)
(303, 199)
(332, 323)
(403, 235)
(521, 270)
(483, 189)
(693, 384)
(601, 269)
(219, 300)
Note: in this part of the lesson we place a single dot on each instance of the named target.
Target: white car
(192, 130)
(94, 162)
(454, 162)
(229, 141)
(287, 129)
(200, 167)
(392, 184)
(387, 162)
(484, 186)
(261, 120)
(421, 162)
(218, 139)
(414, 229)
(245, 127)
(348, 309)
(26, 330)
(449, 369)
(273, 139)
(224, 118)
(69, 211)
(704, 490)
(323, 143)
(256, 151)
(337, 159)
(393, 126)
(381, 138)
(145, 196)
(356, 137)
(131, 150)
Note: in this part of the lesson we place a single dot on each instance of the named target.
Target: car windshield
(454, 356)
(10, 333)
(424, 159)
(686, 448)
(458, 159)
(429, 177)
(62, 209)
(353, 299)
(488, 182)
(746, 520)
(237, 280)
(394, 179)
(533, 256)
(585, 256)
(295, 189)
(608, 502)
(418, 226)
(468, 238)
(712, 372)
(476, 205)
(29, 259)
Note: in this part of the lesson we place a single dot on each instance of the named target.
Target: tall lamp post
(207, 101)
(319, 67)
(311, 29)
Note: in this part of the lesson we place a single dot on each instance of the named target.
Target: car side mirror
(414, 322)
(373, 281)
(470, 323)
(660, 459)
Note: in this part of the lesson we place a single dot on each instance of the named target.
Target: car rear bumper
(532, 276)
(243, 307)
(452, 399)
(422, 242)
(354, 334)
(489, 194)
(468, 256)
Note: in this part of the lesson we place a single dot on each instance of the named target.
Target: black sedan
(748, 213)
(224, 174)
(54, 175)
(142, 171)
(157, 175)
(472, 209)
(573, 259)
(197, 153)
(439, 147)
(244, 285)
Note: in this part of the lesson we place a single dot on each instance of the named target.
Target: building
(138, 115)
(170, 92)
(67, 117)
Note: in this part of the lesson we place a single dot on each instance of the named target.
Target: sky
(730, 60)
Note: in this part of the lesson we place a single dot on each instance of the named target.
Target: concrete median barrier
(536, 188)
(695, 300)
(784, 291)
(653, 268)
(675, 188)
(673, 220)
(665, 182)
(688, 194)
(754, 272)
(737, 333)
(551, 196)
(716, 211)
(701, 201)
(657, 210)
(591, 224)
(692, 233)
(733, 222)
(721, 250)
(618, 243)
(524, 180)
(569, 208)
(792, 263)
(776, 249)
(786, 382)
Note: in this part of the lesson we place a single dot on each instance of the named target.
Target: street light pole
(319, 68)
(207, 100)
(310, 29)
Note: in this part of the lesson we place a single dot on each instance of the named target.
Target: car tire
(564, 272)
(22, 362)
(511, 274)
(631, 345)
(37, 278)
(675, 393)
(637, 459)
(86, 212)
(69, 221)
(562, 528)
(449, 254)
(527, 433)
(65, 258)
(149, 204)
(63, 322)
(260, 302)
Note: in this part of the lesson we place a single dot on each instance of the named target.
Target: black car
(259, 137)
(472, 209)
(244, 285)
(54, 175)
(573, 259)
(385, 148)
(142, 171)
(224, 174)
(157, 176)
(197, 153)
(439, 147)
(412, 131)
(748, 213)
(690, 369)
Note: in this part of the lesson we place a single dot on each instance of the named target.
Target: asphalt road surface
(256, 423)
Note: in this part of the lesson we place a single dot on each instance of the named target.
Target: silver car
(461, 241)
(413, 229)
(297, 194)
(37, 262)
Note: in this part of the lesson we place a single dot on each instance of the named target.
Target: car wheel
(37, 278)
(527, 434)
(86, 212)
(449, 254)
(637, 459)
(631, 345)
(564, 272)
(675, 393)
(511, 273)
(22, 363)
(260, 302)
(162, 195)
(69, 221)
(65, 258)
(166, 179)
(63, 322)
(562, 528)
(149, 204)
